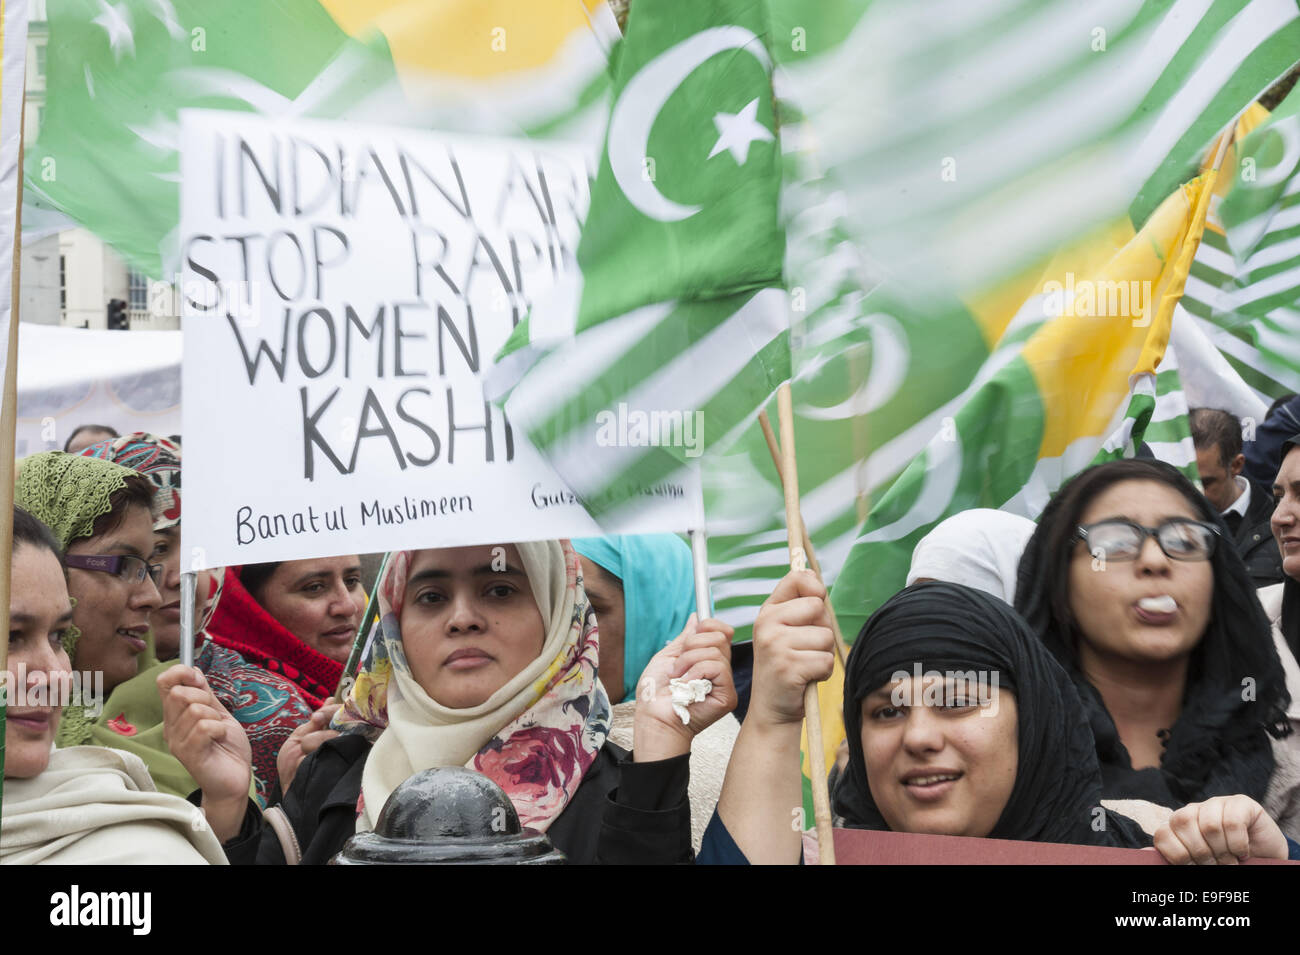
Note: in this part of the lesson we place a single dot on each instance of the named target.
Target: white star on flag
(737, 130)
(116, 21)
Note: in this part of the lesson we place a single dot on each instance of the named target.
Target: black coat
(622, 813)
(1255, 542)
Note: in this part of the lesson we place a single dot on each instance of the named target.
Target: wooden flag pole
(349, 675)
(8, 425)
(841, 648)
(798, 561)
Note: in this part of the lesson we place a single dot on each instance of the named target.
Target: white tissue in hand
(686, 692)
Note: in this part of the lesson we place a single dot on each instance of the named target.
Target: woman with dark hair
(959, 722)
(1130, 584)
(296, 618)
(84, 804)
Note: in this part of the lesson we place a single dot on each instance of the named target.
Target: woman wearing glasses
(100, 514)
(1128, 584)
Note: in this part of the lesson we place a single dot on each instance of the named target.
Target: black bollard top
(449, 815)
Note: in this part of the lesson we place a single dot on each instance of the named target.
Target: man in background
(1244, 507)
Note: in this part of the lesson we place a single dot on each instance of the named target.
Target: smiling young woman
(958, 721)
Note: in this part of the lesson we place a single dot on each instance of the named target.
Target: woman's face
(944, 761)
(166, 620)
(113, 612)
(1112, 601)
(606, 595)
(1286, 515)
(469, 622)
(39, 614)
(319, 601)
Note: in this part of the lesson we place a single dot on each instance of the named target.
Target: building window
(40, 60)
(137, 291)
(63, 286)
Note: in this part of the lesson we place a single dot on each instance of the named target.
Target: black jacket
(1255, 542)
(622, 813)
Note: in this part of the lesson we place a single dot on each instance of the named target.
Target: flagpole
(8, 426)
(348, 676)
(798, 561)
(841, 648)
(189, 584)
(700, 550)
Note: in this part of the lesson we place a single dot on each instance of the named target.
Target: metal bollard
(453, 816)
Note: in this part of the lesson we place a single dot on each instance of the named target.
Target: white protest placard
(344, 290)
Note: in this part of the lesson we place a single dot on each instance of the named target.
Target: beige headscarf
(97, 806)
(535, 737)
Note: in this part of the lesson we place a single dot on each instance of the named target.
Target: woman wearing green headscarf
(100, 514)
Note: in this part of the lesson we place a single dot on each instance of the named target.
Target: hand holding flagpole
(798, 561)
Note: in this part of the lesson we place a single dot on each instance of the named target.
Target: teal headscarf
(658, 592)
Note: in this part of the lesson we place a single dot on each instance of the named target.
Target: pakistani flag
(119, 71)
(672, 332)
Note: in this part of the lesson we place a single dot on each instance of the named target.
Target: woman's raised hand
(793, 646)
(1220, 831)
(702, 651)
(211, 745)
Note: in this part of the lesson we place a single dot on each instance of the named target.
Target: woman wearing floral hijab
(486, 657)
(269, 706)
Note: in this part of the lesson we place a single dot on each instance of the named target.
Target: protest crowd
(1115, 695)
(1059, 595)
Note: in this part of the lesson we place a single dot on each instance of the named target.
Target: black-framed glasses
(123, 566)
(1181, 538)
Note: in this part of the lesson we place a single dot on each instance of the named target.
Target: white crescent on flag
(641, 102)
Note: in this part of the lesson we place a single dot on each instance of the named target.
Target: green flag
(672, 331)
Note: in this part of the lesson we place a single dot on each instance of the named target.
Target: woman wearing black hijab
(959, 722)
(947, 628)
(1159, 628)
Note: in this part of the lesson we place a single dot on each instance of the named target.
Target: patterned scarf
(535, 737)
(69, 493)
(157, 459)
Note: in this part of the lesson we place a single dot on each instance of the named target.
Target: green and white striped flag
(1261, 214)
(937, 175)
(1083, 385)
(674, 329)
(1244, 290)
(975, 118)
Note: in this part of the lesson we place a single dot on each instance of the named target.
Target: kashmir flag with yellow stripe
(117, 76)
(1043, 406)
(13, 68)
